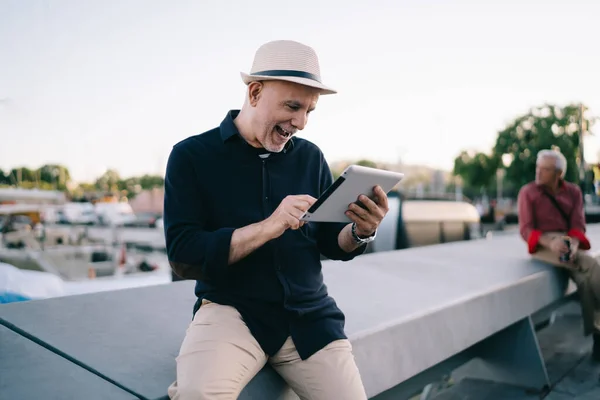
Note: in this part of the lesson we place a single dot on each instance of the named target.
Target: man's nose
(300, 120)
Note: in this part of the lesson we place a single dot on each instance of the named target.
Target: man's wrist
(268, 230)
(361, 237)
(546, 240)
(364, 235)
(361, 233)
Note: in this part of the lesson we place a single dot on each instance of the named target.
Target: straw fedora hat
(289, 61)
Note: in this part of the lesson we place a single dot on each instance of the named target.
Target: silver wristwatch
(360, 240)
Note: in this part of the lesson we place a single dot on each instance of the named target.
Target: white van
(79, 214)
(114, 214)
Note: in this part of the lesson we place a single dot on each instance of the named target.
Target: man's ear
(254, 92)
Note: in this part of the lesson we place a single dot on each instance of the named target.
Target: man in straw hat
(552, 222)
(233, 199)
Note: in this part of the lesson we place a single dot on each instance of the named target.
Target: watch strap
(360, 240)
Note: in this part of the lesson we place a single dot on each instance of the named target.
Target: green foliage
(108, 181)
(132, 186)
(50, 176)
(477, 169)
(367, 163)
(543, 127)
(57, 177)
(3, 178)
(22, 174)
(151, 181)
(54, 174)
(336, 172)
(111, 181)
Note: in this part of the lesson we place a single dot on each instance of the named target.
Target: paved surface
(570, 369)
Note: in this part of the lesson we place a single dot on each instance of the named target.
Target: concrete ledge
(407, 311)
(29, 371)
(131, 336)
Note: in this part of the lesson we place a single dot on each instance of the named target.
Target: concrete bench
(30, 371)
(412, 316)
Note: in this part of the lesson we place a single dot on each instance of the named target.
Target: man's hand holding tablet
(359, 196)
(370, 213)
(354, 182)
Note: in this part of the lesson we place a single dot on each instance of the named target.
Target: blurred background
(459, 95)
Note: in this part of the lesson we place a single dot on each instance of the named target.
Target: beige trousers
(585, 272)
(219, 356)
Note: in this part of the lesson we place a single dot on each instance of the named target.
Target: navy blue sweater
(215, 183)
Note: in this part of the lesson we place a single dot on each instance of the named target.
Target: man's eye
(293, 107)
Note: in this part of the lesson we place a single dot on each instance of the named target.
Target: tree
(109, 181)
(87, 187)
(151, 181)
(3, 178)
(367, 163)
(477, 170)
(22, 174)
(337, 171)
(56, 175)
(544, 127)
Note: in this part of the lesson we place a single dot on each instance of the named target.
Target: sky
(116, 83)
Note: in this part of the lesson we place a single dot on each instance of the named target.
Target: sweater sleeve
(526, 221)
(193, 251)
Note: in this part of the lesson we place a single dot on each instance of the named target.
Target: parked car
(144, 219)
(114, 214)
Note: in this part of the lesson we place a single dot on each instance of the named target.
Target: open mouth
(282, 132)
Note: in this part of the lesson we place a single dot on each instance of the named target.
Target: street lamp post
(500, 172)
(507, 160)
(582, 129)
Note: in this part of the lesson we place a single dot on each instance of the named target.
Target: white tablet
(354, 181)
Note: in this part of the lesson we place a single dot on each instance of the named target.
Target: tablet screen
(326, 194)
(331, 206)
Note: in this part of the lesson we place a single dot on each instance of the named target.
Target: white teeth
(286, 133)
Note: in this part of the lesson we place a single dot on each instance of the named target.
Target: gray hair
(559, 160)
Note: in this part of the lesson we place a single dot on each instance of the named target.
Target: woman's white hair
(559, 160)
